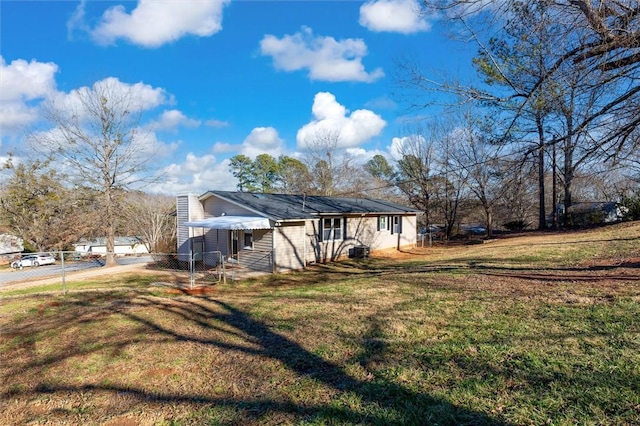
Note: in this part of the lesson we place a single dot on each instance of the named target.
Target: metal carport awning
(232, 223)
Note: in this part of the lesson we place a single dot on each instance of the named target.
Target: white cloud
(333, 118)
(399, 146)
(21, 83)
(324, 57)
(216, 123)
(139, 96)
(77, 22)
(223, 147)
(262, 140)
(142, 96)
(172, 119)
(22, 80)
(356, 152)
(197, 174)
(361, 156)
(382, 102)
(401, 16)
(146, 144)
(153, 23)
(14, 116)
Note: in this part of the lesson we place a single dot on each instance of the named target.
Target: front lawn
(449, 336)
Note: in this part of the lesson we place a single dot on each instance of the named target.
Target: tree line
(449, 169)
(38, 204)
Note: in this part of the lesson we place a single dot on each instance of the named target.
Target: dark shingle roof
(286, 206)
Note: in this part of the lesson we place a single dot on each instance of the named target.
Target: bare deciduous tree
(416, 170)
(150, 217)
(600, 36)
(97, 138)
(479, 159)
(332, 169)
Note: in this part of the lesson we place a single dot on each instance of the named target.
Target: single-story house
(595, 213)
(123, 246)
(280, 232)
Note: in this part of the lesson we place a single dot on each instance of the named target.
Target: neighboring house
(10, 246)
(278, 232)
(586, 214)
(123, 246)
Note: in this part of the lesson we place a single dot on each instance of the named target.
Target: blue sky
(219, 78)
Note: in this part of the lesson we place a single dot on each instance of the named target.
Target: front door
(234, 235)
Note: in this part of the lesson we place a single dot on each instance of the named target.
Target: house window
(397, 225)
(382, 223)
(248, 240)
(332, 229)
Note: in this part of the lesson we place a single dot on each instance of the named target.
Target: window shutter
(378, 224)
(400, 224)
(344, 229)
(320, 233)
(389, 222)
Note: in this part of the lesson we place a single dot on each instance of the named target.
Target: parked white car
(34, 260)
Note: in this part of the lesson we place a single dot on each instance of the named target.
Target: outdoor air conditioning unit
(359, 252)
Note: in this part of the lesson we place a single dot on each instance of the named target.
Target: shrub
(633, 204)
(516, 225)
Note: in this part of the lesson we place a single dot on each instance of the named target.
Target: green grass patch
(133, 281)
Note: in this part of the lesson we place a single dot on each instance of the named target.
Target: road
(52, 271)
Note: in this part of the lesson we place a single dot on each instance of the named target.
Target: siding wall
(385, 239)
(188, 208)
(216, 240)
(361, 231)
(214, 206)
(261, 257)
(290, 246)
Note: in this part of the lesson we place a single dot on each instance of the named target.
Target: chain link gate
(206, 268)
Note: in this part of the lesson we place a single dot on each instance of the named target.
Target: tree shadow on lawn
(323, 274)
(411, 407)
(591, 273)
(395, 404)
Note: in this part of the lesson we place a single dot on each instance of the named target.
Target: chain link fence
(204, 268)
(62, 266)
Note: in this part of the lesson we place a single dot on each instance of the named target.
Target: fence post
(64, 277)
(224, 269)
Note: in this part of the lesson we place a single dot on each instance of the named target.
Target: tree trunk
(542, 220)
(110, 231)
(488, 215)
(569, 168)
(554, 187)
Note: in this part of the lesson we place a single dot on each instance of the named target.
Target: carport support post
(192, 277)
